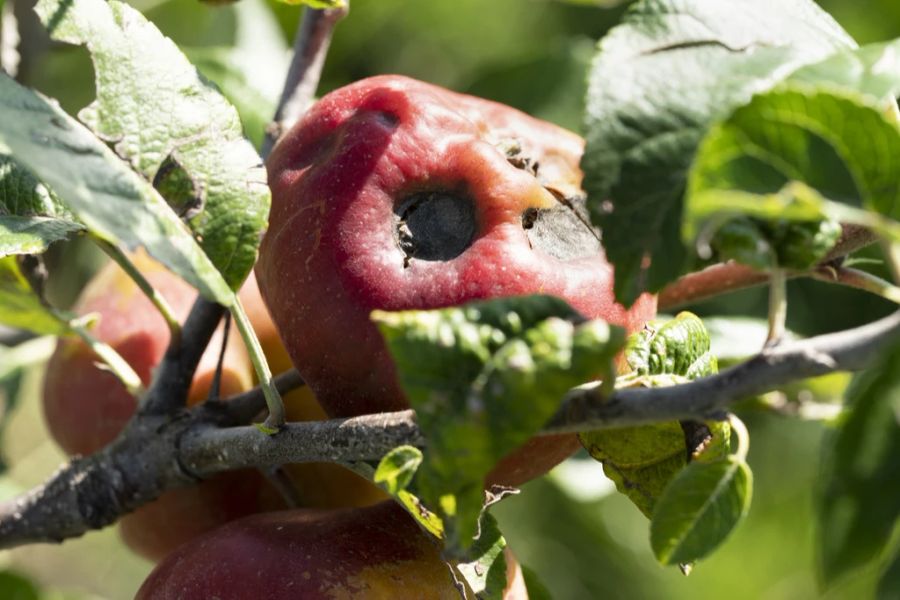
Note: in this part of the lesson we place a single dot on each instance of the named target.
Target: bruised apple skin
(395, 194)
(376, 553)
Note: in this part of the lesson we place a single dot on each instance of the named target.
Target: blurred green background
(532, 54)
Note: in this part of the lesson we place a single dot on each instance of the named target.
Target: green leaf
(394, 474)
(251, 72)
(105, 195)
(798, 154)
(679, 346)
(20, 307)
(172, 127)
(859, 503)
(873, 70)
(483, 379)
(658, 83)
(31, 217)
(536, 589)
(890, 579)
(641, 461)
(699, 509)
(397, 469)
(16, 587)
(484, 567)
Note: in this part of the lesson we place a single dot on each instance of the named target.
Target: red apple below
(373, 553)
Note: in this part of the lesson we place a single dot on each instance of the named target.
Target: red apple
(374, 553)
(394, 194)
(85, 406)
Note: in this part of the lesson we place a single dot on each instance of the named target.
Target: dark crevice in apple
(564, 231)
(434, 226)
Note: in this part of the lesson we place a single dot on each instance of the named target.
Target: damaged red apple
(394, 194)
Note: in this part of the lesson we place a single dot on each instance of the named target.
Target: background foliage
(531, 54)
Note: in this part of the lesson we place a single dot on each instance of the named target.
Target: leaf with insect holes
(104, 194)
(172, 126)
(31, 216)
(858, 503)
(799, 154)
(483, 379)
(659, 81)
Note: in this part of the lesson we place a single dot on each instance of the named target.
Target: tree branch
(157, 453)
(310, 48)
(731, 276)
(172, 380)
(370, 437)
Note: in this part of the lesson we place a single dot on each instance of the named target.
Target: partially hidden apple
(317, 485)
(86, 407)
(395, 194)
(376, 553)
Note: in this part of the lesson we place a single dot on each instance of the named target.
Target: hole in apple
(564, 231)
(434, 225)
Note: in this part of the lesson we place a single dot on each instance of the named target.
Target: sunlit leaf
(110, 199)
(801, 154)
(660, 80)
(172, 126)
(483, 379)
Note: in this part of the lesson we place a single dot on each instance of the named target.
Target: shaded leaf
(172, 126)
(699, 509)
(31, 217)
(890, 579)
(860, 503)
(798, 154)
(17, 587)
(536, 589)
(657, 84)
(483, 379)
(105, 195)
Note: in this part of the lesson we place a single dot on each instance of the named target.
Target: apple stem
(113, 361)
(275, 420)
(158, 300)
(777, 305)
(858, 279)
